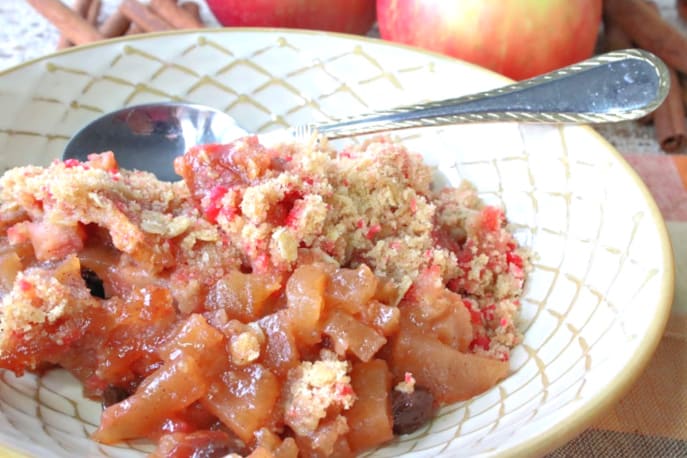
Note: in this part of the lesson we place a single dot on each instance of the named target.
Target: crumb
(407, 385)
(245, 347)
(312, 388)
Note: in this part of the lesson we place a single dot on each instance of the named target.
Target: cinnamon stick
(649, 31)
(654, 6)
(193, 9)
(72, 26)
(63, 42)
(682, 9)
(178, 17)
(116, 25)
(143, 16)
(80, 7)
(134, 29)
(683, 85)
(669, 118)
(93, 12)
(614, 36)
(614, 39)
(646, 120)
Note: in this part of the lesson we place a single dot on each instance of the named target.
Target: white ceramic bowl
(597, 298)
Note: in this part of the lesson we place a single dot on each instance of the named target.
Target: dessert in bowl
(599, 262)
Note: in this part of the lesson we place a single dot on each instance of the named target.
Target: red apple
(517, 38)
(348, 16)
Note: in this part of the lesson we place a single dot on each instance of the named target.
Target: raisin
(412, 410)
(458, 234)
(93, 282)
(114, 394)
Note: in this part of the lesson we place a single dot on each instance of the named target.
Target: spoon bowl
(612, 87)
(149, 137)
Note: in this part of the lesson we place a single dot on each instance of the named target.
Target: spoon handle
(616, 86)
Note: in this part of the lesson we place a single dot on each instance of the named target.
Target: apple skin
(347, 16)
(517, 38)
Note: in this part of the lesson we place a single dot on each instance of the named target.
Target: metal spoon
(617, 86)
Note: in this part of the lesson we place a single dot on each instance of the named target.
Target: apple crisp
(268, 303)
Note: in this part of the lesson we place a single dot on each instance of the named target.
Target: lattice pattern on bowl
(600, 288)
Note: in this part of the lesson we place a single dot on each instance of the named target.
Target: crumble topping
(312, 388)
(245, 347)
(407, 385)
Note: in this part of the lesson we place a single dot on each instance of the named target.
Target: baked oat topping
(407, 385)
(246, 346)
(312, 388)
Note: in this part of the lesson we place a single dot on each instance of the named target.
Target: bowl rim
(599, 403)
